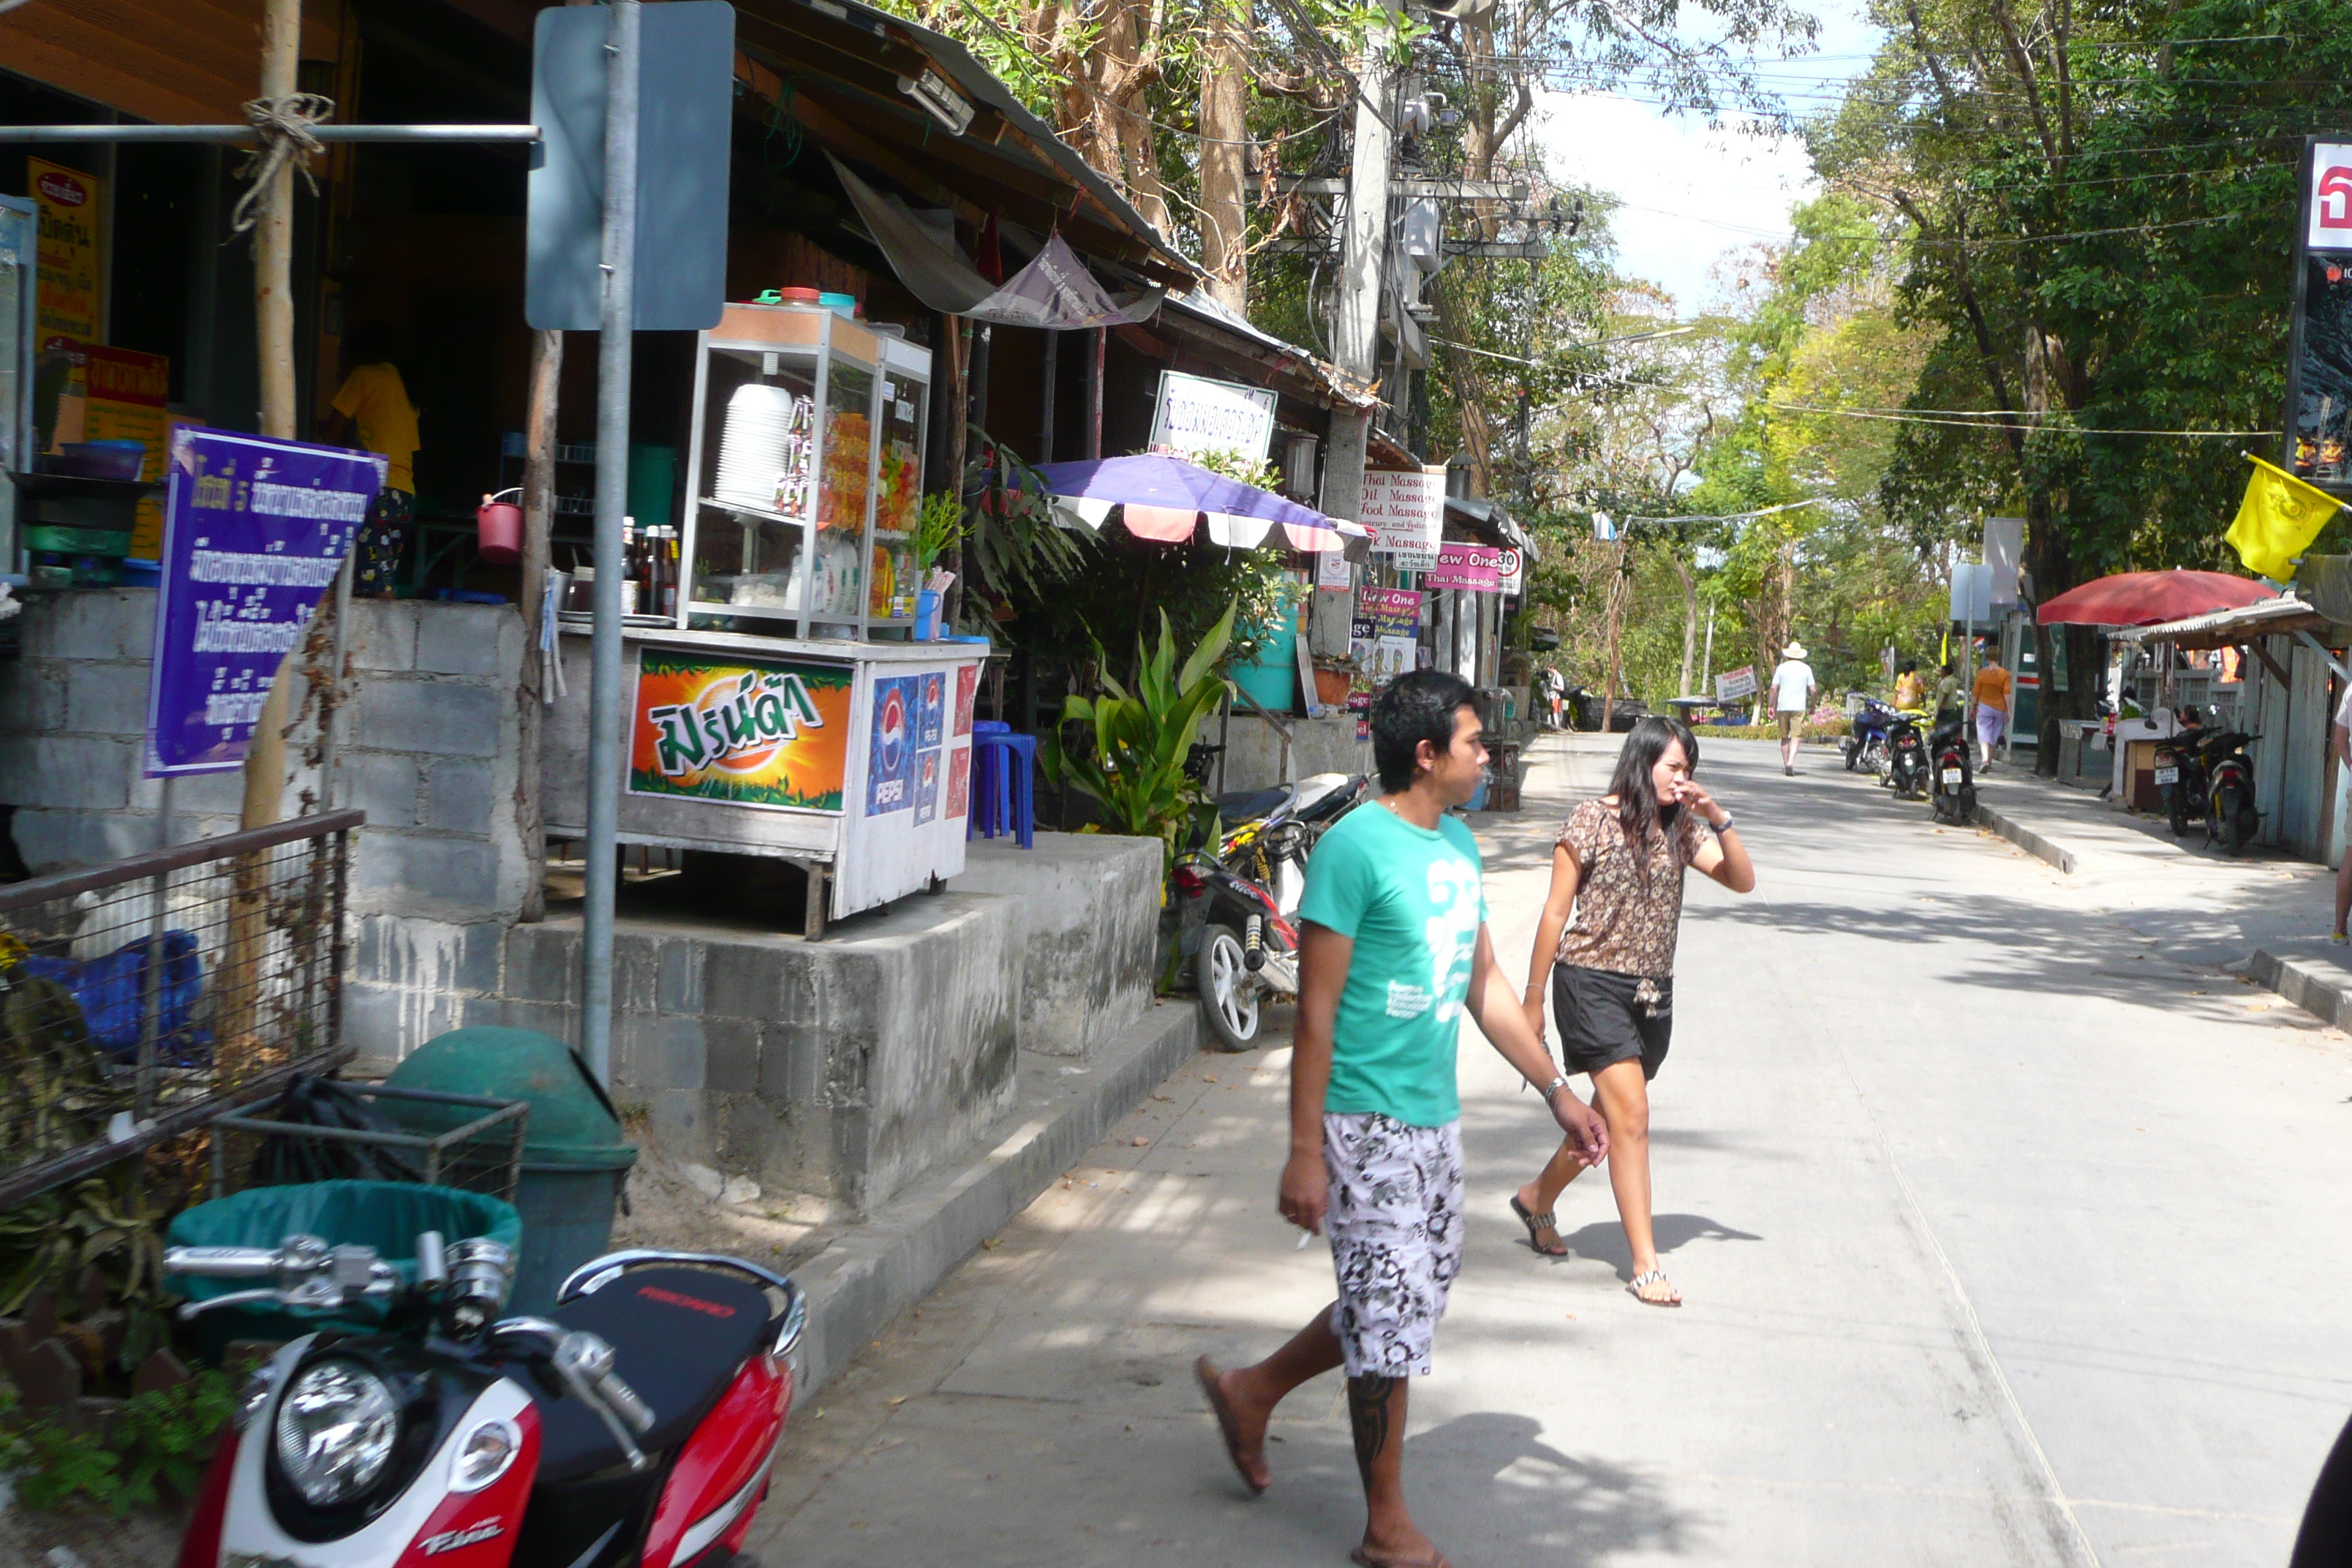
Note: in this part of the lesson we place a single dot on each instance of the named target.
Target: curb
(2324, 999)
(859, 1283)
(2025, 838)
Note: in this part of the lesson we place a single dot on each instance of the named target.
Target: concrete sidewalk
(2263, 914)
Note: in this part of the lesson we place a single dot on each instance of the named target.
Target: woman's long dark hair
(1638, 811)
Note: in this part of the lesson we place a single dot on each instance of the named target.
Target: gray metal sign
(685, 100)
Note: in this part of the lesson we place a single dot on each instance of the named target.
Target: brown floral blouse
(1625, 922)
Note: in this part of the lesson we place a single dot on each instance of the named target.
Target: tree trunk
(1690, 617)
(1224, 135)
(538, 525)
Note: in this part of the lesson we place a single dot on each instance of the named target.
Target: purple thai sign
(254, 532)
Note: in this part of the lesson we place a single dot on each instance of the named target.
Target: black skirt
(1605, 1018)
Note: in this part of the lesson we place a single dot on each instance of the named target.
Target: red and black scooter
(636, 1426)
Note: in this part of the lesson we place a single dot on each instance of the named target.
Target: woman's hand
(1306, 1191)
(1692, 794)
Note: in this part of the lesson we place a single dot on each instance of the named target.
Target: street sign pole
(607, 702)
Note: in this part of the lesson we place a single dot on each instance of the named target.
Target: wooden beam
(2278, 671)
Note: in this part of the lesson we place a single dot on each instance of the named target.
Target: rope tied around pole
(284, 125)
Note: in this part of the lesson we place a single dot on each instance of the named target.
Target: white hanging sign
(1332, 572)
(1404, 511)
(1198, 415)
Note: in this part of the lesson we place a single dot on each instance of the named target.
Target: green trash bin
(386, 1215)
(574, 1158)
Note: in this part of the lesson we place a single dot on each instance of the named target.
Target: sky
(1690, 191)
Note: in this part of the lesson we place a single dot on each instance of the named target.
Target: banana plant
(1134, 766)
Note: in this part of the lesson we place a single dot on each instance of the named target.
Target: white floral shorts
(1395, 1224)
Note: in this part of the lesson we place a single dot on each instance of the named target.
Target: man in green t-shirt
(1394, 952)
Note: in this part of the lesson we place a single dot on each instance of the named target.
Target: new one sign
(1476, 568)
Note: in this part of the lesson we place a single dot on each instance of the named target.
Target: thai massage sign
(748, 731)
(1404, 511)
(1476, 568)
(254, 530)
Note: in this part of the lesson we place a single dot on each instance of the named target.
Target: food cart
(786, 710)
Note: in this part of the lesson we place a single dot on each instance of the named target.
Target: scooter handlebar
(625, 1403)
(222, 1262)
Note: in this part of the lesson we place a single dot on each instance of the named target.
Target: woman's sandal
(1536, 1224)
(1672, 1297)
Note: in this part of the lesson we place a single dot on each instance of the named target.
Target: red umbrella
(2151, 598)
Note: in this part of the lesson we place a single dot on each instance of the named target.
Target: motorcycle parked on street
(634, 1426)
(1953, 770)
(1906, 757)
(2181, 780)
(1244, 948)
(2231, 819)
(1865, 749)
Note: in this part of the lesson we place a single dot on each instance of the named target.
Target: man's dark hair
(1948, 667)
(1415, 708)
(371, 343)
(1910, 667)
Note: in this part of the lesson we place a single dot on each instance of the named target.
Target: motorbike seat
(1250, 805)
(679, 1338)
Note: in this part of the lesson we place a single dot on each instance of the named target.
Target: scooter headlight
(335, 1431)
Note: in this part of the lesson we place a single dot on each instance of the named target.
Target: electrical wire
(2030, 429)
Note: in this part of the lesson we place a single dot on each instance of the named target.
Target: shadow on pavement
(1492, 1491)
(1603, 1241)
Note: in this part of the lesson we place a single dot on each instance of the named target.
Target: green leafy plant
(1012, 539)
(941, 524)
(155, 1444)
(1132, 763)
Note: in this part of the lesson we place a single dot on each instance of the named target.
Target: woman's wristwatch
(1724, 826)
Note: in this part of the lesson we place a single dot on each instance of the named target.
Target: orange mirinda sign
(750, 732)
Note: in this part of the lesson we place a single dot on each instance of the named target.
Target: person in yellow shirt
(1910, 691)
(371, 411)
(1989, 703)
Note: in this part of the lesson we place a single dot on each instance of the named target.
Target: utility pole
(1356, 315)
(607, 690)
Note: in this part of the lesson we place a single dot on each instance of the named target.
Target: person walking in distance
(1910, 690)
(1989, 703)
(1606, 943)
(2340, 747)
(1393, 952)
(1792, 699)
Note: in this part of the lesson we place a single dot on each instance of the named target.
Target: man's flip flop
(1206, 1371)
(1537, 1221)
(1363, 1558)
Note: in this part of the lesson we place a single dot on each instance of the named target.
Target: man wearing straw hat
(1792, 699)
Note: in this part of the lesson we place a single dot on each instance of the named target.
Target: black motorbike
(1907, 758)
(1243, 948)
(2181, 780)
(2231, 819)
(1954, 771)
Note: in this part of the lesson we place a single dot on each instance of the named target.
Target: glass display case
(804, 475)
(18, 238)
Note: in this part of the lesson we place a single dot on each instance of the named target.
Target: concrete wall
(844, 1068)
(1090, 905)
(429, 735)
(1254, 756)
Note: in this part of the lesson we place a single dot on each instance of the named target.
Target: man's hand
(1534, 1009)
(1306, 1190)
(1583, 1125)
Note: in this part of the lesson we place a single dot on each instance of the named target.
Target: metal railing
(147, 998)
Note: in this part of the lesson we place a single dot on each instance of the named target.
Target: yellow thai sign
(750, 732)
(72, 258)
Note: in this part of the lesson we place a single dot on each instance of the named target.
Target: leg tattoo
(1368, 1413)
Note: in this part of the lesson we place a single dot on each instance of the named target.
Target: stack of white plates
(766, 431)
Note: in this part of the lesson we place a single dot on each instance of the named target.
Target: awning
(1488, 520)
(2284, 616)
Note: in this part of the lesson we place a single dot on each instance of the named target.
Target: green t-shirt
(1411, 900)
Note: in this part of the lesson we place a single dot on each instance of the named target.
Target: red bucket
(497, 530)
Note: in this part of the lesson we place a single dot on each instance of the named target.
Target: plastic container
(498, 529)
(927, 617)
(386, 1215)
(1272, 678)
(842, 305)
(574, 1162)
(119, 460)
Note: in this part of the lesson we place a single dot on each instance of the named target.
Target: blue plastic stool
(1004, 791)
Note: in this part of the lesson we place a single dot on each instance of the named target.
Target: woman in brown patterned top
(1617, 869)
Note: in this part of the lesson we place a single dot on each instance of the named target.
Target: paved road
(2006, 1239)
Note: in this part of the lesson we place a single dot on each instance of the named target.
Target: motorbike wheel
(1229, 994)
(2177, 800)
(1967, 805)
(2232, 819)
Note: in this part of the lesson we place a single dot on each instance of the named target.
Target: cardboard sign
(1385, 635)
(1405, 513)
(1333, 572)
(72, 253)
(748, 731)
(126, 392)
(255, 531)
(1733, 684)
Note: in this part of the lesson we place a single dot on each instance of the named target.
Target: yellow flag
(2277, 521)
